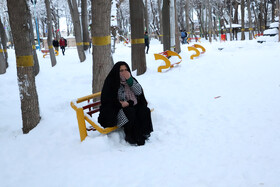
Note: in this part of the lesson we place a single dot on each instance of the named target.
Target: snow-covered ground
(216, 123)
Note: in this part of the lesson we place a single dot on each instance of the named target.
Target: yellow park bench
(84, 113)
(85, 107)
(47, 52)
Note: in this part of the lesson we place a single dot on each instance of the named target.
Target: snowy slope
(216, 123)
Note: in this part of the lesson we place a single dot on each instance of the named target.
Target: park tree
(209, 10)
(49, 27)
(101, 42)
(278, 13)
(242, 19)
(77, 28)
(166, 24)
(138, 57)
(146, 16)
(84, 19)
(2, 61)
(3, 38)
(187, 14)
(20, 27)
(177, 33)
(36, 66)
(250, 19)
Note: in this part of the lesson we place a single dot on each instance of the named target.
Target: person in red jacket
(63, 44)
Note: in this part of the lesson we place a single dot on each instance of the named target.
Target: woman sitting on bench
(123, 104)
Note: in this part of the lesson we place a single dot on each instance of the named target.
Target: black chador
(135, 119)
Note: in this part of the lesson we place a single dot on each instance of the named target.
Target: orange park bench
(47, 52)
(194, 39)
(200, 47)
(197, 52)
(164, 56)
(255, 36)
(86, 109)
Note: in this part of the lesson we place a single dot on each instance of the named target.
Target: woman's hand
(124, 104)
(126, 75)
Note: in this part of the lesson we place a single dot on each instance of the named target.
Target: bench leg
(81, 123)
(45, 54)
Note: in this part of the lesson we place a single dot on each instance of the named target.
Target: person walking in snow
(123, 104)
(147, 42)
(55, 44)
(63, 44)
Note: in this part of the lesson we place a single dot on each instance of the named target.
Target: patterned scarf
(128, 92)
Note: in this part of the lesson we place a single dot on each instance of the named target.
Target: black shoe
(141, 142)
(130, 140)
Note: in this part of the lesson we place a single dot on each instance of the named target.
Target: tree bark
(77, 29)
(138, 57)
(4, 44)
(160, 20)
(177, 33)
(2, 61)
(146, 16)
(36, 66)
(101, 42)
(166, 24)
(49, 28)
(242, 20)
(20, 26)
(210, 21)
(278, 13)
(261, 17)
(250, 19)
(187, 10)
(85, 24)
(230, 21)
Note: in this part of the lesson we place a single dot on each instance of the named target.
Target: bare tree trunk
(36, 66)
(273, 10)
(242, 20)
(230, 21)
(160, 20)
(4, 50)
(187, 10)
(77, 29)
(166, 24)
(138, 57)
(177, 33)
(235, 20)
(250, 19)
(43, 27)
(85, 24)
(146, 16)
(278, 13)
(156, 20)
(172, 24)
(256, 19)
(2, 61)
(101, 42)
(20, 26)
(49, 26)
(210, 20)
(265, 11)
(261, 17)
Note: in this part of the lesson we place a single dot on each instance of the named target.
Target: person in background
(56, 44)
(63, 44)
(183, 36)
(147, 42)
(186, 37)
(123, 104)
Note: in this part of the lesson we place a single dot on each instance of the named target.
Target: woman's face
(123, 70)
